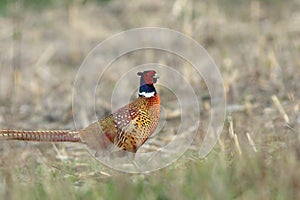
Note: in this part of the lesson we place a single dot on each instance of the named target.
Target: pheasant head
(148, 78)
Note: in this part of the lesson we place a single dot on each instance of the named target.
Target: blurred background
(255, 44)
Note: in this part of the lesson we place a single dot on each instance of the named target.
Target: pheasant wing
(131, 136)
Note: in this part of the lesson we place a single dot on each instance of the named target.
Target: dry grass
(256, 45)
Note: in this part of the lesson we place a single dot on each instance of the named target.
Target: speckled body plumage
(132, 125)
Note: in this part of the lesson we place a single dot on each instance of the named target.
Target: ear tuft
(140, 73)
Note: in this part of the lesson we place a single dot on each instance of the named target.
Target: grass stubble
(257, 49)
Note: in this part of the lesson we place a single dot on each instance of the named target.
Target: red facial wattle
(150, 77)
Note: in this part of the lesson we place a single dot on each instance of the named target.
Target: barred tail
(41, 136)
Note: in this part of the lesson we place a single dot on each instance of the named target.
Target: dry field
(255, 44)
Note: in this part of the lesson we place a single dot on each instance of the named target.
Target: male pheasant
(127, 129)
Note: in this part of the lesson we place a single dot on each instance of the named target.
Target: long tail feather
(41, 136)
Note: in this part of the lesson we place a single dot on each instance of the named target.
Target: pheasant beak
(156, 76)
